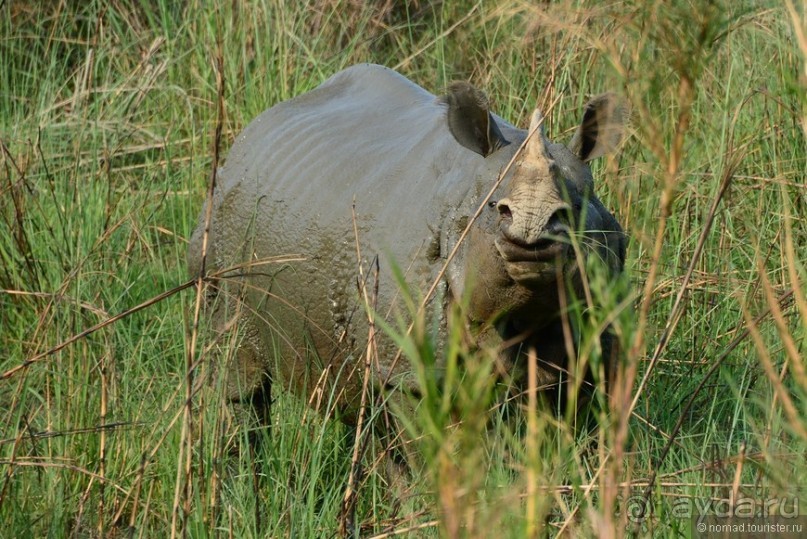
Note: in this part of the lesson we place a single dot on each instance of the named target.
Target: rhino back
(367, 133)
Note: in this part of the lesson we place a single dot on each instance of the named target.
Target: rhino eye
(492, 204)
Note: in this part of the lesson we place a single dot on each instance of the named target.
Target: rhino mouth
(545, 250)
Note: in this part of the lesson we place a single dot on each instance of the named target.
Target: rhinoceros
(370, 166)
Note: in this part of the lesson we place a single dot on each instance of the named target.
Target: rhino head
(538, 227)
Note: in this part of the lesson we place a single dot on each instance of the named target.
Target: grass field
(108, 113)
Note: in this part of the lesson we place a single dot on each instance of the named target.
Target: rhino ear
(470, 121)
(602, 128)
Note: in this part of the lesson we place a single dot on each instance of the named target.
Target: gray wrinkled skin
(417, 167)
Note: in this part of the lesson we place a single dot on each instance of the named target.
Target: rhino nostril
(504, 211)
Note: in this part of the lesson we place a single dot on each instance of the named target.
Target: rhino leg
(247, 380)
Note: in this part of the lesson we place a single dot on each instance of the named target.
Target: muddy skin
(413, 167)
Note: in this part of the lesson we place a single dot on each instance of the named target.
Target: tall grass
(108, 112)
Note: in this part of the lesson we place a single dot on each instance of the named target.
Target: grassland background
(107, 119)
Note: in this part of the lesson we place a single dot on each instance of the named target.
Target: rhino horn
(536, 153)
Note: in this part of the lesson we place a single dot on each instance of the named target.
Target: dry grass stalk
(347, 513)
